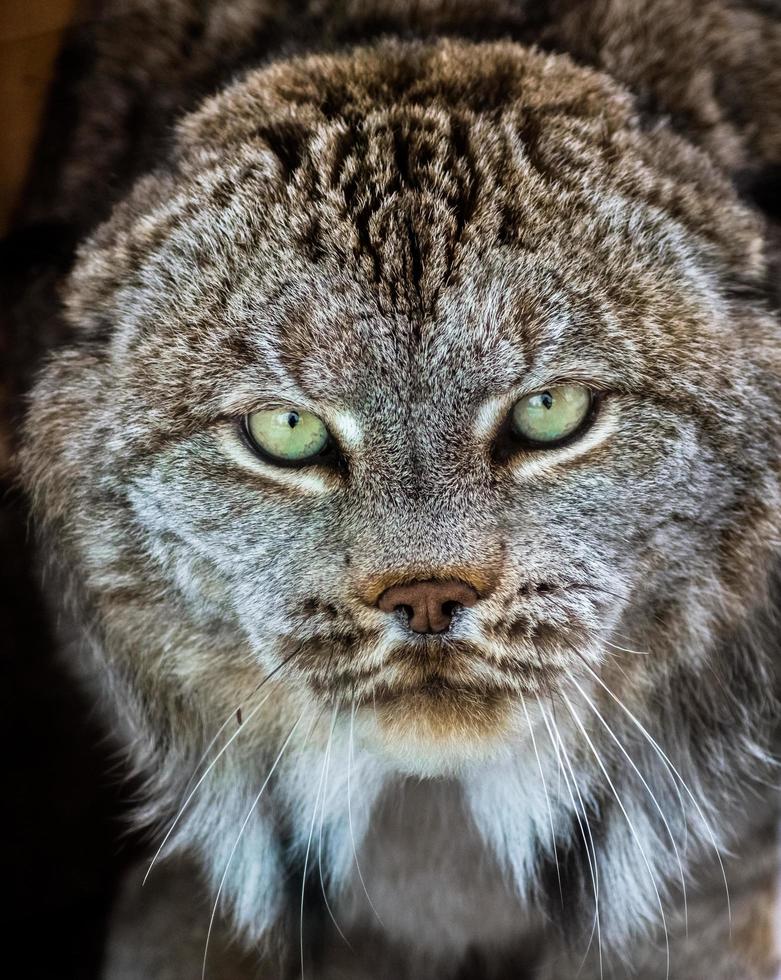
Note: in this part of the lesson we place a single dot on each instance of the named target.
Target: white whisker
(642, 779)
(665, 758)
(238, 839)
(586, 834)
(673, 780)
(547, 799)
(197, 786)
(615, 646)
(215, 760)
(309, 841)
(209, 747)
(631, 826)
(350, 817)
(320, 836)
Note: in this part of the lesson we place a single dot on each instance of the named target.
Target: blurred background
(62, 840)
(31, 33)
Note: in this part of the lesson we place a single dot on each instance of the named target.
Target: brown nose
(430, 605)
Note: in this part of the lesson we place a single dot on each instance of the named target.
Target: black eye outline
(329, 455)
(509, 441)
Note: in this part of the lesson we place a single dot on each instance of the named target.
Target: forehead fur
(397, 156)
(414, 140)
(336, 224)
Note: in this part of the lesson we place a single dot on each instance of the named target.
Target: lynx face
(405, 250)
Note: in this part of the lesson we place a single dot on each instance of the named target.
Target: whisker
(598, 632)
(238, 839)
(665, 758)
(208, 748)
(216, 759)
(589, 586)
(596, 927)
(586, 834)
(667, 769)
(320, 836)
(350, 816)
(309, 841)
(547, 800)
(650, 793)
(615, 646)
(631, 826)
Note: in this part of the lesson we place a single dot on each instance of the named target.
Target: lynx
(407, 470)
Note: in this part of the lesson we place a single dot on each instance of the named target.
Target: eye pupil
(293, 419)
(547, 417)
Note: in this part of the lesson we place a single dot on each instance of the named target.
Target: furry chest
(427, 879)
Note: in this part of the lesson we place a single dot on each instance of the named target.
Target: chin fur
(439, 730)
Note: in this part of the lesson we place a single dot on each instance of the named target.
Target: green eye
(287, 437)
(550, 416)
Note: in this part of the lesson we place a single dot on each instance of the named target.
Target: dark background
(63, 839)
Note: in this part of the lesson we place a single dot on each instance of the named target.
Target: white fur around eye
(303, 480)
(490, 414)
(347, 429)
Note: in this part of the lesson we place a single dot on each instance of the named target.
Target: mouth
(431, 705)
(431, 670)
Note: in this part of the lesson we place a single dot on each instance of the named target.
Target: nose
(429, 605)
